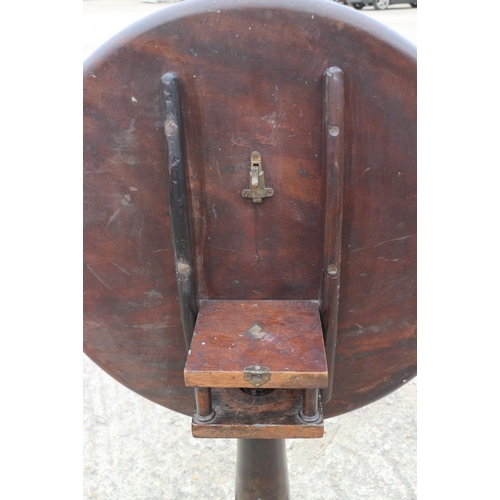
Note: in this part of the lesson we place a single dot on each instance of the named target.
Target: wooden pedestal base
(261, 470)
(273, 416)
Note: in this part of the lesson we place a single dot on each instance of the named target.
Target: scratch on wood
(395, 239)
(140, 239)
(225, 249)
(224, 262)
(383, 243)
(111, 219)
(121, 268)
(98, 277)
(394, 284)
(148, 327)
(369, 168)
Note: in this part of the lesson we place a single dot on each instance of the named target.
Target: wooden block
(270, 416)
(282, 336)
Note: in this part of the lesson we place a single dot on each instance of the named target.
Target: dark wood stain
(250, 79)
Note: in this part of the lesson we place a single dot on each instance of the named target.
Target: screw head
(332, 270)
(334, 131)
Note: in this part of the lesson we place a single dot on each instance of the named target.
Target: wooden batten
(333, 131)
(178, 202)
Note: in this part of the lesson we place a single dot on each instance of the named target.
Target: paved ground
(136, 450)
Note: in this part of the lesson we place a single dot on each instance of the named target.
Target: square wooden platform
(281, 338)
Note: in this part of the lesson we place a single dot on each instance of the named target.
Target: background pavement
(137, 450)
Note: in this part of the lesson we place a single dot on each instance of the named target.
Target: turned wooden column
(261, 470)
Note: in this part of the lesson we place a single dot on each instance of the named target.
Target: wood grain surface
(251, 79)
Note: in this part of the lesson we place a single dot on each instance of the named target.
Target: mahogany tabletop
(251, 77)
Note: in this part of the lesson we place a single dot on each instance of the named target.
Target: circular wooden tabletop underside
(251, 79)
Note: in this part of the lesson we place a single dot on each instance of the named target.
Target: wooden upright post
(261, 470)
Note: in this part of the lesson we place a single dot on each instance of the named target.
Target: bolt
(332, 270)
(334, 131)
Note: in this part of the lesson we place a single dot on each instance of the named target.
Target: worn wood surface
(251, 79)
(270, 416)
(283, 336)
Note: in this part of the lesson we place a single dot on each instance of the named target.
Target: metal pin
(204, 410)
(310, 411)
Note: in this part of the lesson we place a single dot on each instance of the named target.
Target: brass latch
(257, 375)
(258, 189)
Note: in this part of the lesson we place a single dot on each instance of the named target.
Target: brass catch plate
(258, 189)
(257, 375)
